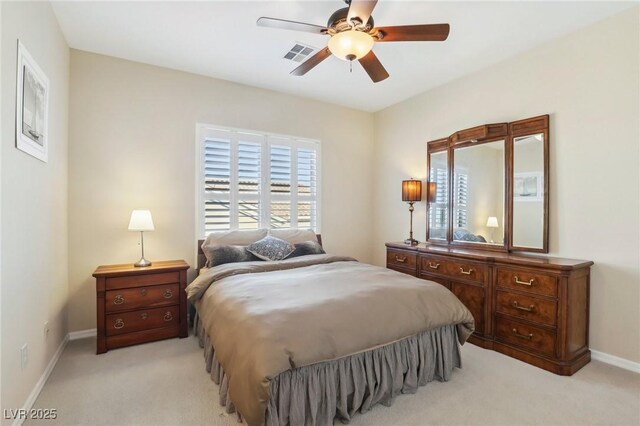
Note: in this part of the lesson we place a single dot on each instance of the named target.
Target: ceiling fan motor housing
(338, 22)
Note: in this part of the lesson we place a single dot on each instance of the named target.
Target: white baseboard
(617, 361)
(83, 334)
(43, 379)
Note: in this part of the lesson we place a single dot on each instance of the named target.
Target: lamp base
(411, 242)
(142, 262)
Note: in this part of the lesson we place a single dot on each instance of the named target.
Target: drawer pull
(401, 259)
(143, 292)
(167, 294)
(529, 283)
(432, 266)
(118, 324)
(522, 336)
(168, 316)
(118, 300)
(462, 271)
(516, 305)
(144, 315)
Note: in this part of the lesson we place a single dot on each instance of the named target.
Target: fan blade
(373, 67)
(361, 9)
(430, 32)
(283, 24)
(308, 65)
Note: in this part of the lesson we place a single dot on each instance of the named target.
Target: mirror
(528, 191)
(438, 218)
(479, 193)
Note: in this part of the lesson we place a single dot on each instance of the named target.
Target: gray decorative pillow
(219, 255)
(271, 248)
(306, 248)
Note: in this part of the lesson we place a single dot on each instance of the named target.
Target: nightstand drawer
(402, 259)
(532, 308)
(527, 281)
(142, 280)
(144, 319)
(142, 297)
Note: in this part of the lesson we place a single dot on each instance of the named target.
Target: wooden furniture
(532, 308)
(507, 168)
(140, 304)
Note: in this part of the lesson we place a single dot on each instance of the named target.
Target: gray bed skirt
(318, 393)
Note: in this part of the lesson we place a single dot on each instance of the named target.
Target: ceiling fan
(353, 36)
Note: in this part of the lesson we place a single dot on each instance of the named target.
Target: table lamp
(492, 222)
(411, 192)
(141, 221)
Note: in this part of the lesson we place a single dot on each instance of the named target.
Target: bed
(319, 337)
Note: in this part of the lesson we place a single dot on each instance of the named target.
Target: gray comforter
(265, 318)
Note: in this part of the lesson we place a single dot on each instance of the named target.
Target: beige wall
(132, 145)
(34, 207)
(588, 82)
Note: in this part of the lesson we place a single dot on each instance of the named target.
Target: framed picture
(527, 186)
(32, 107)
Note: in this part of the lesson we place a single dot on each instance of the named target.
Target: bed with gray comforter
(313, 338)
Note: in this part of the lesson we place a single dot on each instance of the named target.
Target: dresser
(140, 304)
(532, 308)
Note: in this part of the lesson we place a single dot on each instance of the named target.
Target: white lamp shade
(350, 42)
(141, 221)
(492, 222)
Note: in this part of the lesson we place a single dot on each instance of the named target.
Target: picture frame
(527, 186)
(32, 106)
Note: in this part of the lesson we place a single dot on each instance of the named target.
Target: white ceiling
(220, 39)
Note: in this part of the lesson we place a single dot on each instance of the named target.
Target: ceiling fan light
(351, 44)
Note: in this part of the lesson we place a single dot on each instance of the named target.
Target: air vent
(299, 52)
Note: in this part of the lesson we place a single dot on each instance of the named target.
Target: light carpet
(165, 383)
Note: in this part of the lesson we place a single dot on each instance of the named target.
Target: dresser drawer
(528, 307)
(467, 271)
(144, 319)
(531, 337)
(402, 259)
(527, 281)
(142, 297)
(433, 265)
(142, 280)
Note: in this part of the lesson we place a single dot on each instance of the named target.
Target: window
(251, 180)
(438, 210)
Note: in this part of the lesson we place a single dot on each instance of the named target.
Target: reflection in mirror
(478, 193)
(438, 220)
(528, 191)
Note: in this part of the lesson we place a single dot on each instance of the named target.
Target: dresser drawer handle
(462, 271)
(144, 315)
(143, 292)
(529, 283)
(118, 300)
(168, 316)
(522, 336)
(434, 266)
(401, 259)
(167, 294)
(118, 324)
(516, 305)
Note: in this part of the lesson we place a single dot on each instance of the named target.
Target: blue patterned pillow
(271, 248)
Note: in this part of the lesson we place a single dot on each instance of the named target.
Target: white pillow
(294, 235)
(234, 238)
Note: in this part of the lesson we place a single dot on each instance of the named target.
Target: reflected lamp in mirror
(492, 222)
(141, 221)
(411, 192)
(431, 192)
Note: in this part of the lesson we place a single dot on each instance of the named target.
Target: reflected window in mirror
(438, 218)
(528, 191)
(479, 193)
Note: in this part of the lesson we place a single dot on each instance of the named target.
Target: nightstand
(140, 304)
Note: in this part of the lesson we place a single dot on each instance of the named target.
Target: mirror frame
(484, 134)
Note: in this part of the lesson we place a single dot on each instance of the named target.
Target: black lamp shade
(411, 190)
